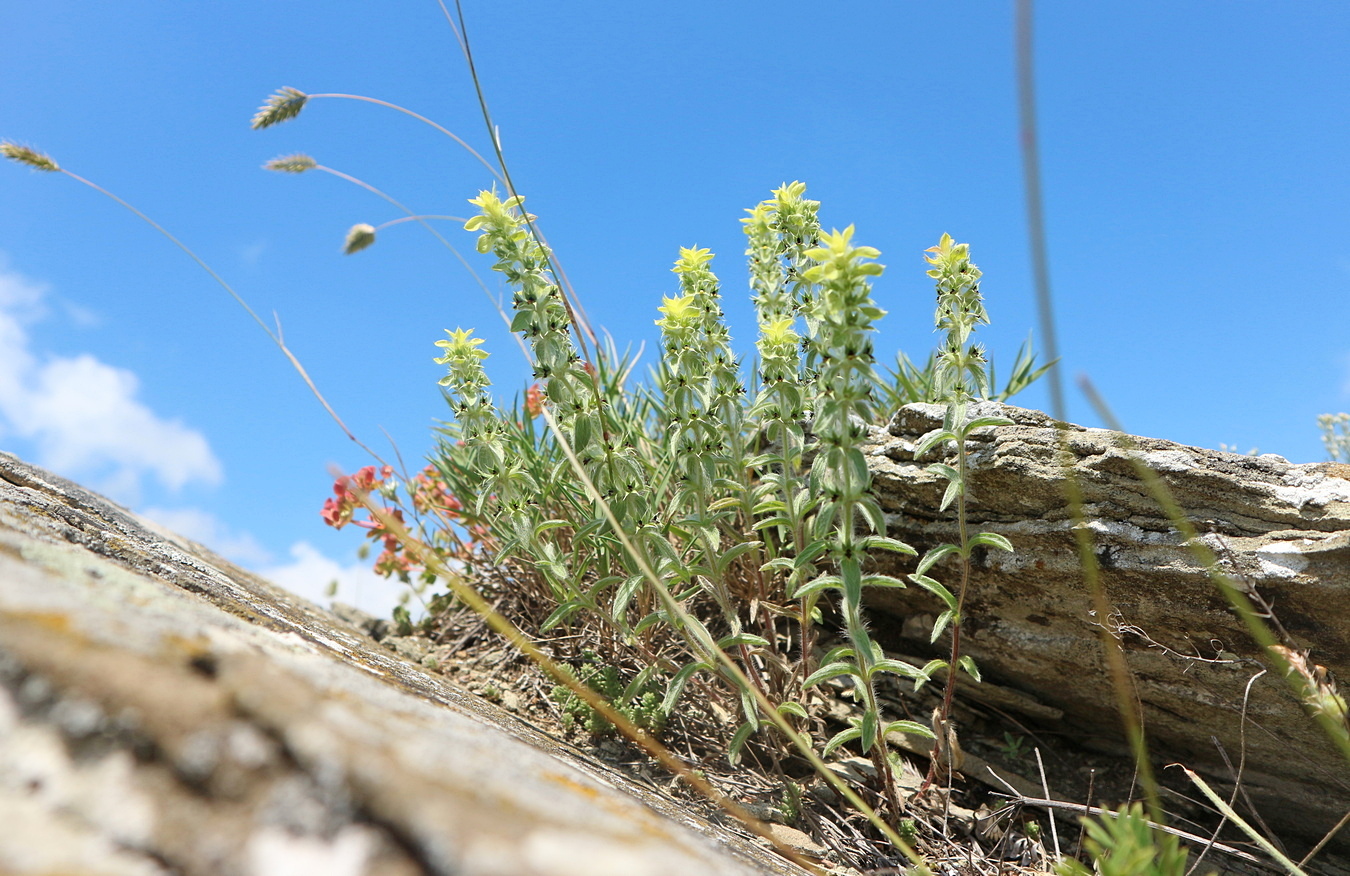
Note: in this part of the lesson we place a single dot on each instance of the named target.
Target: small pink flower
(336, 514)
(534, 401)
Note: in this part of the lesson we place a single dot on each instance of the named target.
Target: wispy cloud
(251, 254)
(82, 416)
(205, 528)
(311, 575)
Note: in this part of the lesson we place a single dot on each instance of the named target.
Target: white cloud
(82, 418)
(205, 528)
(252, 253)
(82, 415)
(310, 573)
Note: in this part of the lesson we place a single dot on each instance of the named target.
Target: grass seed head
(297, 163)
(28, 156)
(285, 104)
(359, 237)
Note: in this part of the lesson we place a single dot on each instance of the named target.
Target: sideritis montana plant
(693, 531)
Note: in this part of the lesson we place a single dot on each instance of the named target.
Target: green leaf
(817, 584)
(738, 741)
(968, 664)
(769, 522)
(724, 503)
(872, 510)
(678, 682)
(589, 528)
(792, 708)
(931, 558)
(882, 581)
(837, 653)
(910, 727)
(635, 686)
(850, 574)
(771, 504)
(728, 556)
(941, 624)
(936, 589)
(697, 631)
(522, 319)
(810, 553)
(868, 729)
(560, 615)
(981, 422)
(994, 540)
(931, 440)
(832, 670)
(648, 622)
(581, 433)
(547, 525)
(942, 470)
(742, 639)
(900, 668)
(750, 708)
(666, 550)
(840, 738)
(884, 543)
(624, 595)
(861, 475)
(954, 489)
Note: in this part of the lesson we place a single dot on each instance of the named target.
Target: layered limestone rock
(162, 711)
(1282, 530)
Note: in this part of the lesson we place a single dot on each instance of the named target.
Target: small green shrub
(641, 705)
(1125, 844)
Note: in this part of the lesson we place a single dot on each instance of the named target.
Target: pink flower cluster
(338, 512)
(429, 495)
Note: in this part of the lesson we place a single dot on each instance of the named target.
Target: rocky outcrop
(1282, 530)
(162, 711)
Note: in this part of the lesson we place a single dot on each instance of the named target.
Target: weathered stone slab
(1283, 528)
(162, 711)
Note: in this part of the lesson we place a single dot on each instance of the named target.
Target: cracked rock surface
(1282, 530)
(162, 711)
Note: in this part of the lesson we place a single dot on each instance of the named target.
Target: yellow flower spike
(461, 344)
(789, 191)
(780, 331)
(677, 310)
(760, 214)
(943, 249)
(838, 258)
(692, 259)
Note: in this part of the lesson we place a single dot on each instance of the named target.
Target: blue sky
(1194, 162)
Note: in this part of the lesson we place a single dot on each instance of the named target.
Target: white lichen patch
(1302, 487)
(1129, 533)
(1283, 559)
(1168, 460)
